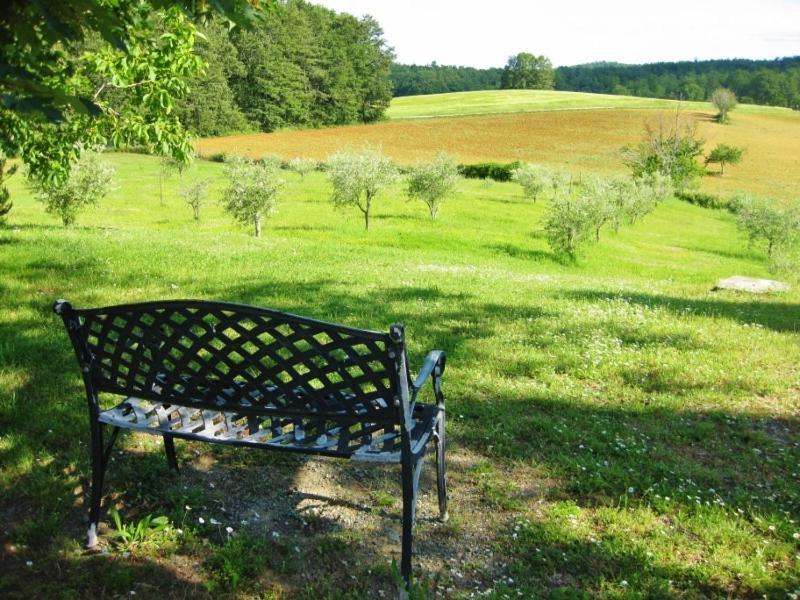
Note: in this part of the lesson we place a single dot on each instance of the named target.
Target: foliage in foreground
(5, 196)
(89, 180)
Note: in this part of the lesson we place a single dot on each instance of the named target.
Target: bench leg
(169, 447)
(409, 498)
(441, 482)
(98, 471)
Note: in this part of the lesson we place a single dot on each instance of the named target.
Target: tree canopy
(528, 72)
(68, 68)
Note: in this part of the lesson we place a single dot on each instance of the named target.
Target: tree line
(302, 66)
(769, 82)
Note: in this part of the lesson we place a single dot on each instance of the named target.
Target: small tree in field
(302, 166)
(252, 192)
(534, 179)
(5, 195)
(358, 177)
(569, 222)
(724, 100)
(195, 196)
(723, 154)
(761, 220)
(89, 180)
(433, 182)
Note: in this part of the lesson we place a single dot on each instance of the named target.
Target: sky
(484, 33)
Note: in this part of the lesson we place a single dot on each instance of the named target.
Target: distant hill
(768, 82)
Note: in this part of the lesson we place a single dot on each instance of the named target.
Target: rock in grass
(750, 284)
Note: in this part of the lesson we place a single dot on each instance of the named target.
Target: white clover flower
(201, 520)
(229, 529)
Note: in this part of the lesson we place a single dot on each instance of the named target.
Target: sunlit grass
(616, 428)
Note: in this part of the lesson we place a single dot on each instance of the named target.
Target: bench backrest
(239, 358)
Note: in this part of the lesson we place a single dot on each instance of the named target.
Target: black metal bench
(247, 376)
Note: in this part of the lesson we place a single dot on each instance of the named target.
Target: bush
(489, 170)
(534, 179)
(433, 181)
(704, 199)
(88, 181)
(253, 190)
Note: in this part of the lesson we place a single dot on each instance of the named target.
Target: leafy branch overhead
(64, 63)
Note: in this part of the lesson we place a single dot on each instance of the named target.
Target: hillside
(613, 412)
(573, 131)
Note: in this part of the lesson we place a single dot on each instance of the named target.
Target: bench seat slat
(373, 442)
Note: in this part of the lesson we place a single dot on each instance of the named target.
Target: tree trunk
(721, 169)
(365, 210)
(258, 225)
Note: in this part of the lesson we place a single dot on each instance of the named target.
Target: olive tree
(534, 179)
(432, 182)
(195, 195)
(761, 220)
(302, 166)
(252, 192)
(569, 221)
(723, 154)
(358, 177)
(88, 181)
(724, 100)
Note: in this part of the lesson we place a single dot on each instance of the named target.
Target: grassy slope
(618, 428)
(515, 101)
(580, 141)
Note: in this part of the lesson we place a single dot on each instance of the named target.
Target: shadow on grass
(99, 576)
(778, 316)
(593, 452)
(528, 254)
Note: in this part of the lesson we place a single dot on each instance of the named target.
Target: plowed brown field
(577, 140)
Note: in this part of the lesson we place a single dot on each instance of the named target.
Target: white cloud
(484, 33)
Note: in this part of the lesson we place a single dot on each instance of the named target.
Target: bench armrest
(434, 365)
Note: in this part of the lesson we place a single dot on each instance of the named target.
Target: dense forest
(413, 80)
(771, 82)
(304, 66)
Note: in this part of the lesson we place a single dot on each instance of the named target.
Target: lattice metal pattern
(240, 359)
(365, 441)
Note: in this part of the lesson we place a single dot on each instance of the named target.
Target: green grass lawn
(512, 101)
(617, 430)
